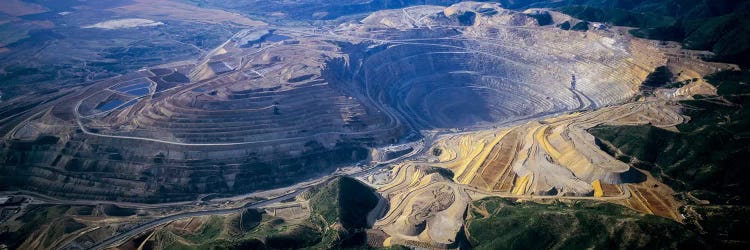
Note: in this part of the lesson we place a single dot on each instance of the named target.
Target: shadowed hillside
(706, 158)
(719, 26)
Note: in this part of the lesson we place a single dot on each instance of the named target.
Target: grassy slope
(345, 202)
(709, 153)
(617, 17)
(37, 217)
(708, 157)
(582, 225)
(50, 221)
(339, 209)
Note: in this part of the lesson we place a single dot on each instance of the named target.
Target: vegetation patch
(36, 217)
(660, 77)
(542, 18)
(707, 159)
(710, 152)
(580, 26)
(211, 229)
(720, 26)
(114, 210)
(496, 223)
(343, 205)
(338, 219)
(619, 17)
(59, 228)
(296, 237)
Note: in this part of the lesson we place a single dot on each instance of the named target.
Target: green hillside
(497, 223)
(721, 26)
(342, 205)
(706, 159)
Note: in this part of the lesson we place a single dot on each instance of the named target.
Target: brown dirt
(611, 190)
(494, 172)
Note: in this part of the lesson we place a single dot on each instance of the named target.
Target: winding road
(117, 239)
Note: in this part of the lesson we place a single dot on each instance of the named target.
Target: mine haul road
(143, 227)
(392, 115)
(117, 239)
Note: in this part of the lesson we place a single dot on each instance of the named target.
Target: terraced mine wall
(250, 118)
(430, 68)
(241, 132)
(91, 168)
(456, 83)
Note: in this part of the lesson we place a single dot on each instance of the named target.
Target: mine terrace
(433, 108)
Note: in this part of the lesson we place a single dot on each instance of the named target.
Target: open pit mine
(431, 107)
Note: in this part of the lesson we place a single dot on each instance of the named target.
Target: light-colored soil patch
(175, 10)
(124, 24)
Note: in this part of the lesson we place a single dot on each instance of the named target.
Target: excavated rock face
(241, 119)
(269, 108)
(435, 73)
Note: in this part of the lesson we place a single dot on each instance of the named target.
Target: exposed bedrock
(430, 69)
(507, 75)
(271, 121)
(268, 109)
